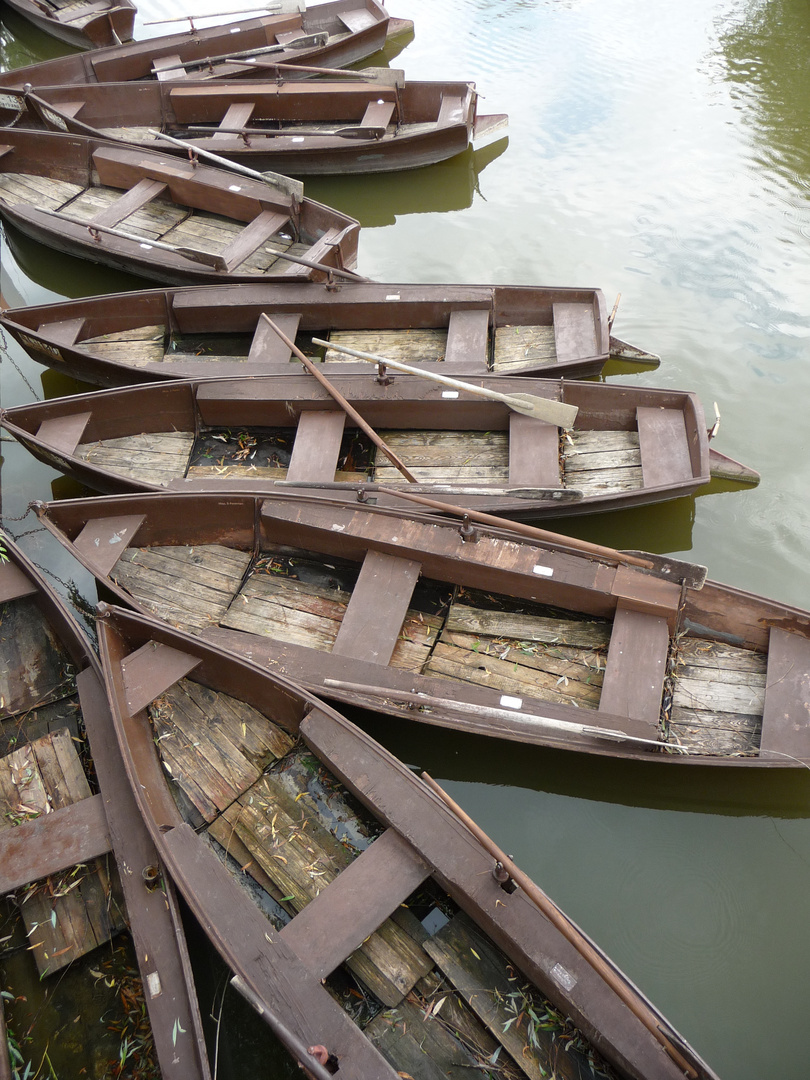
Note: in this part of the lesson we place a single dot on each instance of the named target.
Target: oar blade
(553, 412)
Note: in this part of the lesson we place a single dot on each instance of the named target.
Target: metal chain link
(7, 355)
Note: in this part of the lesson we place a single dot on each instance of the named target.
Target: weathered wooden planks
(718, 695)
(408, 346)
(70, 914)
(602, 462)
(786, 709)
(138, 347)
(636, 667)
(154, 458)
(189, 586)
(446, 457)
(519, 347)
(40, 191)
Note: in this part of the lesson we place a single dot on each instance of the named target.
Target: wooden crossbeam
(236, 116)
(252, 237)
(135, 199)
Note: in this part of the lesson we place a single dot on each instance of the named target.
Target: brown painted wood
(574, 330)
(664, 446)
(103, 541)
(360, 898)
(317, 445)
(636, 667)
(266, 346)
(64, 433)
(135, 199)
(66, 332)
(534, 452)
(151, 670)
(53, 842)
(370, 629)
(377, 117)
(785, 727)
(467, 337)
(236, 116)
(252, 237)
(14, 584)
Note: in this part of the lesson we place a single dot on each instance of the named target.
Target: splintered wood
(154, 458)
(550, 658)
(189, 587)
(519, 347)
(67, 914)
(718, 695)
(302, 613)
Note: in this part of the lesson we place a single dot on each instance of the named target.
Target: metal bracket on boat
(716, 425)
(467, 531)
(383, 378)
(503, 877)
(151, 877)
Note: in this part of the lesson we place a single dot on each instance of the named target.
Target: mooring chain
(7, 355)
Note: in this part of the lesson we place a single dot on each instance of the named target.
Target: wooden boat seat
(377, 609)
(251, 238)
(151, 670)
(4, 149)
(131, 201)
(317, 443)
(236, 116)
(664, 446)
(785, 718)
(103, 541)
(64, 433)
(267, 346)
(174, 64)
(574, 331)
(468, 337)
(317, 253)
(68, 836)
(64, 332)
(71, 108)
(340, 918)
(534, 452)
(14, 584)
(451, 111)
(636, 667)
(354, 21)
(377, 117)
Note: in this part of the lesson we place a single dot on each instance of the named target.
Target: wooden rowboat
(512, 632)
(331, 35)
(381, 124)
(56, 837)
(166, 219)
(629, 446)
(363, 885)
(119, 339)
(88, 24)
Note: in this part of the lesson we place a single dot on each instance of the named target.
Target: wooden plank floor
(519, 347)
(154, 458)
(302, 613)
(443, 457)
(718, 695)
(407, 346)
(71, 913)
(190, 587)
(39, 191)
(138, 347)
(601, 462)
(550, 658)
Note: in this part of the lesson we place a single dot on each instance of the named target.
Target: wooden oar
(244, 57)
(586, 949)
(350, 411)
(552, 412)
(355, 132)
(273, 8)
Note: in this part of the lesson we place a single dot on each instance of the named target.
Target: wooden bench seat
(174, 64)
(131, 201)
(64, 433)
(451, 111)
(319, 251)
(534, 452)
(664, 446)
(14, 584)
(468, 338)
(64, 332)
(70, 108)
(103, 541)
(786, 718)
(636, 667)
(266, 345)
(354, 21)
(574, 331)
(377, 117)
(151, 670)
(316, 448)
(236, 117)
(377, 609)
(340, 918)
(251, 238)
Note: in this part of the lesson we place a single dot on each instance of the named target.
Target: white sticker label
(394, 296)
(450, 393)
(511, 702)
(236, 30)
(146, 247)
(338, 528)
(153, 982)
(297, 138)
(563, 977)
(543, 571)
(234, 187)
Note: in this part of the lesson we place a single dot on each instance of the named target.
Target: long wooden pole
(571, 933)
(350, 411)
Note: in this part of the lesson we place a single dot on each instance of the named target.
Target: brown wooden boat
(182, 333)
(56, 836)
(380, 124)
(509, 632)
(330, 35)
(84, 24)
(162, 218)
(629, 446)
(364, 885)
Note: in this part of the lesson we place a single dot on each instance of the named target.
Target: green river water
(660, 150)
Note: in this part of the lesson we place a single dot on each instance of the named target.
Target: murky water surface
(661, 151)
